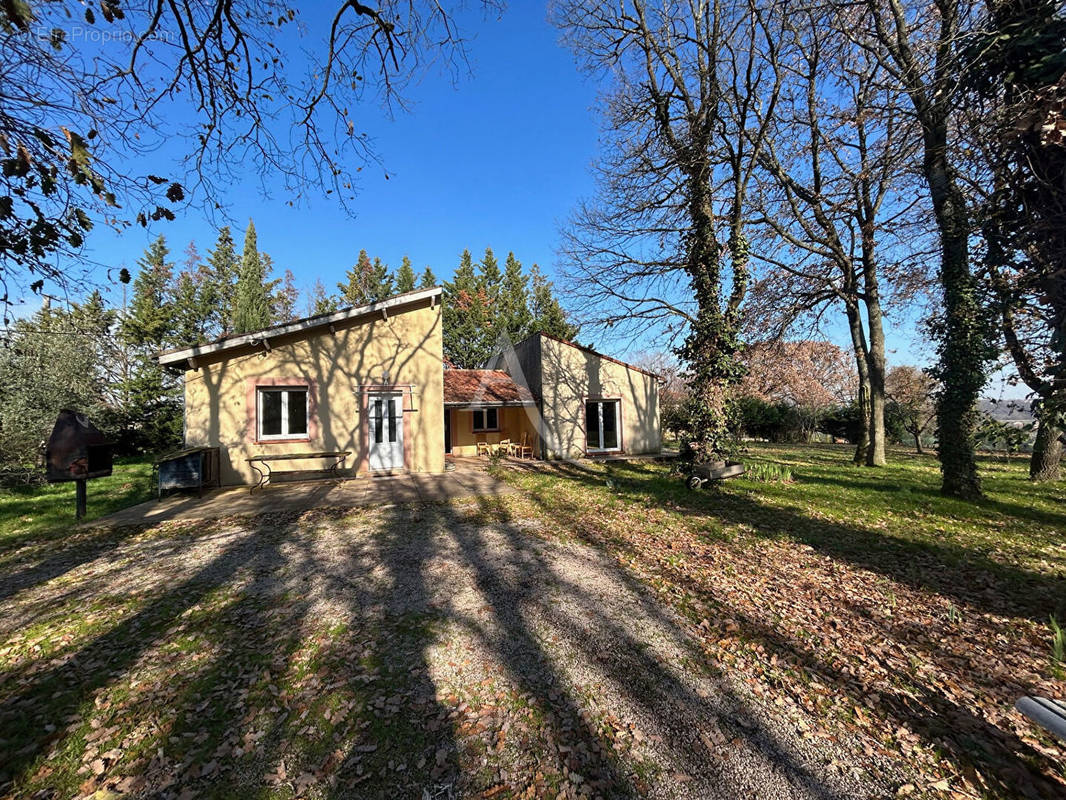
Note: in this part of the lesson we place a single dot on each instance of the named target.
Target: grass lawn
(511, 645)
(33, 513)
(858, 595)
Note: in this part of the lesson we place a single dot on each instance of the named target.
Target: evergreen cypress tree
(252, 303)
(222, 269)
(464, 317)
(405, 277)
(515, 318)
(428, 279)
(548, 315)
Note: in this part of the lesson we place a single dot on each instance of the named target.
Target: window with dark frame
(486, 419)
(281, 412)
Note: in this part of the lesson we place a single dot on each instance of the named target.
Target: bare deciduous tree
(665, 241)
(832, 199)
(913, 392)
(919, 48)
(88, 98)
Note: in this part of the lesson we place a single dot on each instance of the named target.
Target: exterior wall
(514, 421)
(570, 376)
(338, 369)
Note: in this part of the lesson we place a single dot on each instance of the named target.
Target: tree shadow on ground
(212, 684)
(1007, 763)
(955, 571)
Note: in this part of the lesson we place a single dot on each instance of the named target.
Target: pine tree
(149, 318)
(251, 310)
(489, 276)
(428, 279)
(548, 315)
(489, 280)
(368, 281)
(405, 277)
(222, 269)
(381, 281)
(515, 317)
(195, 300)
(151, 404)
(465, 319)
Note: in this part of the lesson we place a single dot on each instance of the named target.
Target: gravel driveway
(538, 668)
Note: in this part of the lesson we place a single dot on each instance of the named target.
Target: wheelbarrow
(713, 471)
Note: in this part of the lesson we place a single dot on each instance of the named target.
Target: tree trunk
(875, 357)
(858, 344)
(962, 337)
(1047, 451)
(918, 443)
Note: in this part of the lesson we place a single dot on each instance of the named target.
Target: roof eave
(175, 358)
(490, 403)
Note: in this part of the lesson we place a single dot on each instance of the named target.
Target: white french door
(386, 431)
(601, 425)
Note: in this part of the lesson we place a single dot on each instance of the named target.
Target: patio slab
(303, 496)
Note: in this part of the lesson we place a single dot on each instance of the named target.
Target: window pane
(270, 413)
(610, 426)
(297, 413)
(592, 425)
(392, 418)
(492, 419)
(378, 421)
(479, 419)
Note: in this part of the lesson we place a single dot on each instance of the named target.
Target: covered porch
(485, 411)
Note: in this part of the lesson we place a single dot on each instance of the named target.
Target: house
(486, 405)
(372, 381)
(366, 380)
(588, 403)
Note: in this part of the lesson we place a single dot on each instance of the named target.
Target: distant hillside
(1006, 410)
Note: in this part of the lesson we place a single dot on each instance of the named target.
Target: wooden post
(80, 509)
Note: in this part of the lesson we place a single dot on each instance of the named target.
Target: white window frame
(484, 412)
(600, 403)
(285, 392)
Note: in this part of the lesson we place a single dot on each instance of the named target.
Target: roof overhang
(187, 355)
(491, 404)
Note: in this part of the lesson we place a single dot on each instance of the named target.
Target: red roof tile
(483, 386)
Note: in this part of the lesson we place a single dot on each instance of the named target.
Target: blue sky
(496, 158)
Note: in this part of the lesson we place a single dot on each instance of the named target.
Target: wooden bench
(1048, 714)
(261, 464)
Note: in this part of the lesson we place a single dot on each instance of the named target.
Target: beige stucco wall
(571, 376)
(220, 394)
(513, 423)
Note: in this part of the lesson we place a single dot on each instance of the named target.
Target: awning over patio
(483, 388)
